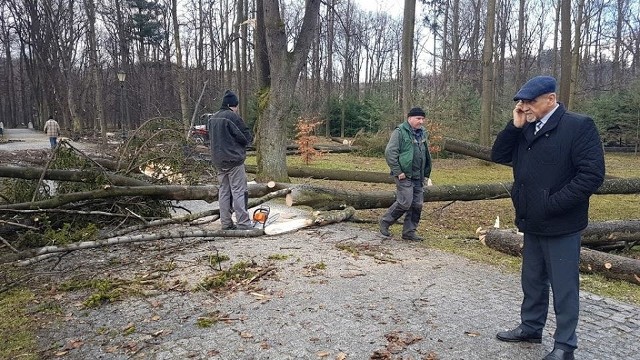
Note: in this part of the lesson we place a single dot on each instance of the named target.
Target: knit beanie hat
(416, 111)
(230, 99)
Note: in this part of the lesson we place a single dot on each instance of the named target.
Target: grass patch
(451, 226)
(279, 257)
(16, 327)
(104, 290)
(235, 274)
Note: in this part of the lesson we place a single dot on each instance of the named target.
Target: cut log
(591, 261)
(317, 219)
(608, 232)
(331, 198)
(160, 192)
(333, 174)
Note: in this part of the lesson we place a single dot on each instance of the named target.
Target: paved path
(24, 139)
(341, 293)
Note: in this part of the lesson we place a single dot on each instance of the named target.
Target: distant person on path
(558, 163)
(1, 129)
(228, 139)
(408, 157)
(52, 129)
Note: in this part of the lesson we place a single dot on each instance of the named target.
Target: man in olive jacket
(407, 155)
(558, 163)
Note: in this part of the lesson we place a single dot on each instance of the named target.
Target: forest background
(111, 65)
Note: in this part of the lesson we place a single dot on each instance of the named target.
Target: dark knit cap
(535, 87)
(230, 99)
(416, 111)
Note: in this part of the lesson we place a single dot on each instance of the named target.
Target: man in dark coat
(558, 163)
(228, 139)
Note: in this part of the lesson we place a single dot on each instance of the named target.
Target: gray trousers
(232, 196)
(409, 201)
(551, 261)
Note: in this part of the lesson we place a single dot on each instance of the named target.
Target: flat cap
(535, 87)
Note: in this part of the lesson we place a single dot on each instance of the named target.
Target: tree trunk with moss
(284, 68)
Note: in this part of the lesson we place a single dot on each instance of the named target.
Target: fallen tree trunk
(333, 174)
(86, 176)
(35, 255)
(331, 198)
(316, 219)
(591, 261)
(609, 232)
(467, 148)
(160, 192)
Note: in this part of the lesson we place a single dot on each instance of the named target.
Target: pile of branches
(78, 196)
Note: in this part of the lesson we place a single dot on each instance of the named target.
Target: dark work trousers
(409, 201)
(551, 261)
(231, 196)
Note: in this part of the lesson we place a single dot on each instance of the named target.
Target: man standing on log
(228, 139)
(558, 163)
(407, 155)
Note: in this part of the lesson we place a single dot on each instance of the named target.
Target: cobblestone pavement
(333, 292)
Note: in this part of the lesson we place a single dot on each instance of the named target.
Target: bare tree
(408, 25)
(180, 72)
(487, 76)
(285, 67)
(565, 51)
(94, 66)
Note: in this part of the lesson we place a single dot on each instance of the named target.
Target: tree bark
(160, 192)
(68, 175)
(285, 68)
(330, 198)
(607, 232)
(591, 261)
(181, 76)
(35, 254)
(333, 174)
(565, 52)
(486, 111)
(408, 25)
(461, 147)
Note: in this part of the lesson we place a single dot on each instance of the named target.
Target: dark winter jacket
(401, 150)
(555, 172)
(228, 138)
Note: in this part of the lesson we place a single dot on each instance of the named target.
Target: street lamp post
(122, 76)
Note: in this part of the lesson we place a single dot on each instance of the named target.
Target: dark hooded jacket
(555, 172)
(228, 138)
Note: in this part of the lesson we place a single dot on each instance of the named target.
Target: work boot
(244, 227)
(384, 229)
(412, 237)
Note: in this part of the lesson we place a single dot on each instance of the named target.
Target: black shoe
(412, 237)
(384, 229)
(230, 227)
(517, 335)
(559, 354)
